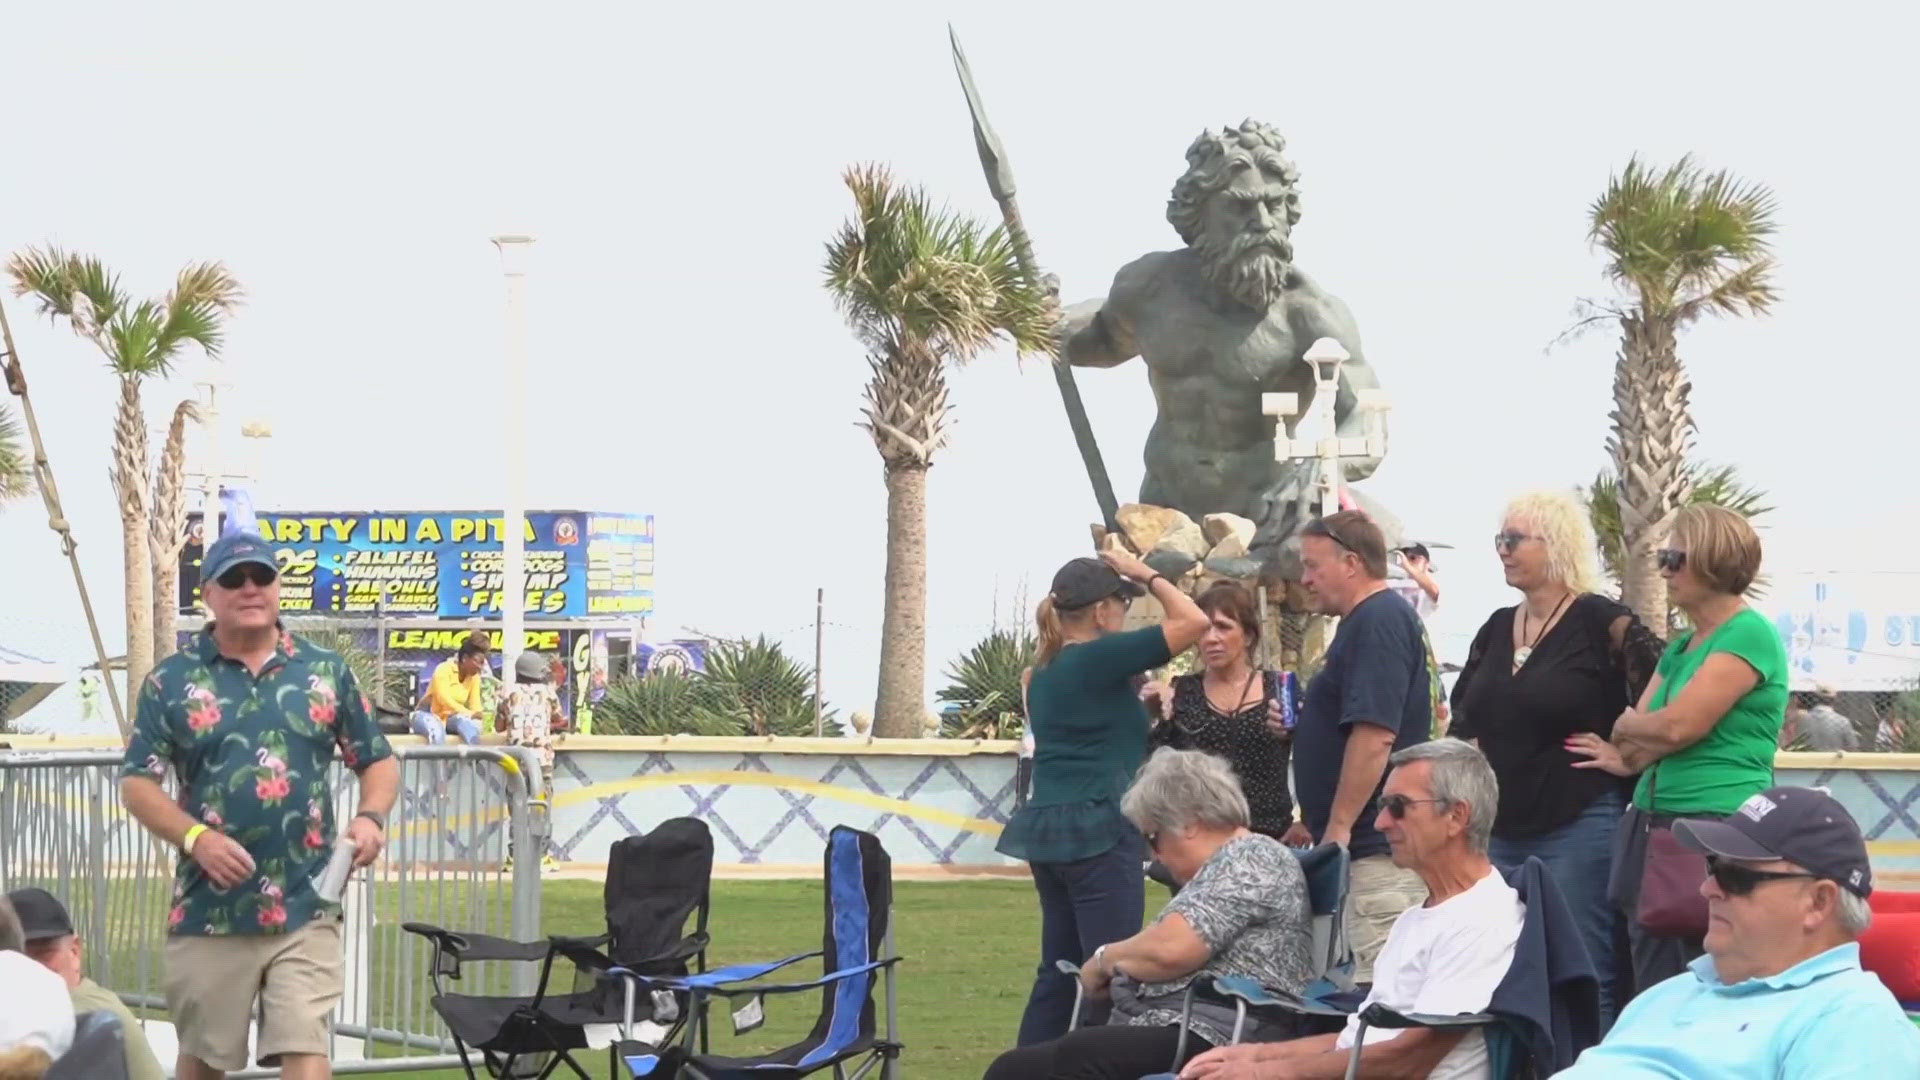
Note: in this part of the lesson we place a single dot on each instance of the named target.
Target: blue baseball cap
(235, 549)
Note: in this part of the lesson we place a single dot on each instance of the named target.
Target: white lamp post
(513, 561)
(1325, 357)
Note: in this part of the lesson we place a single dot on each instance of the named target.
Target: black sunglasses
(1396, 805)
(255, 572)
(1670, 560)
(1507, 541)
(1737, 880)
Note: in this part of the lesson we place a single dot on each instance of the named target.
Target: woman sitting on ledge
(1242, 910)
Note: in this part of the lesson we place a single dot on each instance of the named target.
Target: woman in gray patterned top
(1242, 911)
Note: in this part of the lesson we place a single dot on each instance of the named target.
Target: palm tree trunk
(129, 476)
(900, 706)
(1652, 434)
(168, 532)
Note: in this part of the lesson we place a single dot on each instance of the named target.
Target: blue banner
(579, 564)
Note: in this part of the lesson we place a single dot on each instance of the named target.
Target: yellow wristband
(186, 842)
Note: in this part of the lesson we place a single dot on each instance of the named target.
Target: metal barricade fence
(462, 811)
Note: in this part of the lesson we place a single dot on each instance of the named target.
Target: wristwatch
(374, 816)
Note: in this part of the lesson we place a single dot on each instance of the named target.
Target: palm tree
(1712, 485)
(141, 340)
(923, 288)
(1681, 244)
(16, 465)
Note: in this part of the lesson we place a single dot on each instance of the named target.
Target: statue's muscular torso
(1211, 448)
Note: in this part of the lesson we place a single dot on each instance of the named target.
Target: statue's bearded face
(1245, 236)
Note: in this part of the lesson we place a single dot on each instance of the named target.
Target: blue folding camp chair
(858, 952)
(99, 1050)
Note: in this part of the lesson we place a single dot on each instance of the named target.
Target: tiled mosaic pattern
(774, 809)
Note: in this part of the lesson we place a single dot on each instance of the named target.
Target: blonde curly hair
(1561, 523)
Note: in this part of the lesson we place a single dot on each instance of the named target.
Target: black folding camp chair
(858, 952)
(654, 883)
(99, 1050)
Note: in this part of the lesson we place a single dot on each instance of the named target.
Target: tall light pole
(513, 546)
(210, 463)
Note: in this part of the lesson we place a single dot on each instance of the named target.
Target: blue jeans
(1083, 905)
(429, 725)
(1579, 855)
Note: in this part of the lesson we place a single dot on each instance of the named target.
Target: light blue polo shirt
(1823, 1017)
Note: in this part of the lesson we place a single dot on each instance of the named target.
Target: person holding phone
(1090, 737)
(1222, 708)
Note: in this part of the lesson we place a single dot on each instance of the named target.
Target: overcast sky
(680, 165)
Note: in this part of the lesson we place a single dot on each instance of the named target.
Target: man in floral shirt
(248, 718)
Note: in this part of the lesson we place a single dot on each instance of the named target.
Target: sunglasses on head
(1670, 560)
(1508, 541)
(1396, 805)
(1735, 879)
(247, 572)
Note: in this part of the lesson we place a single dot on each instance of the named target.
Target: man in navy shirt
(1370, 698)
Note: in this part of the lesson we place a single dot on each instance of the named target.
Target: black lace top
(1258, 756)
(1575, 680)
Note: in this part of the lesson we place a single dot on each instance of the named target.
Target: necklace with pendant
(1524, 652)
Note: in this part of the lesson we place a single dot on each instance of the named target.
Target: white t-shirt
(1444, 960)
(35, 1009)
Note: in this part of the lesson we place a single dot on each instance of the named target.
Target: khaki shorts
(213, 982)
(1378, 893)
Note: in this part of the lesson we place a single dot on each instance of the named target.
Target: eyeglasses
(1670, 560)
(1153, 841)
(1737, 880)
(255, 572)
(1396, 805)
(1506, 542)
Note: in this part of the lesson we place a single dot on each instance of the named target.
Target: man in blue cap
(1780, 991)
(248, 717)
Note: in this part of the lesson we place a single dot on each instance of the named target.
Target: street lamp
(513, 553)
(1324, 357)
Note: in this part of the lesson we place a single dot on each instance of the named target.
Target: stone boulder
(1159, 528)
(1218, 527)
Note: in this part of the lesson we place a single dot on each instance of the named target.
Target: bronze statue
(1219, 322)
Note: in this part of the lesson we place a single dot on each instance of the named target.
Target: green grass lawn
(969, 950)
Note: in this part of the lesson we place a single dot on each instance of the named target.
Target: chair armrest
(813, 984)
(709, 980)
(1378, 1015)
(1258, 996)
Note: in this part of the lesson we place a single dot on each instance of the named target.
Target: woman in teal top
(1090, 735)
(1703, 737)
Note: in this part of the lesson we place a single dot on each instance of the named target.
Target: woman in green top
(1703, 737)
(1090, 735)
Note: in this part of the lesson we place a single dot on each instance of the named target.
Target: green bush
(749, 688)
(985, 684)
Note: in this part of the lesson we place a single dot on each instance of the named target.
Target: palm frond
(16, 462)
(1686, 241)
(902, 270)
(78, 288)
(661, 703)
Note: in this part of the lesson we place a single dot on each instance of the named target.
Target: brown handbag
(1670, 903)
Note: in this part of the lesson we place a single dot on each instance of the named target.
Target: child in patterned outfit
(530, 710)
